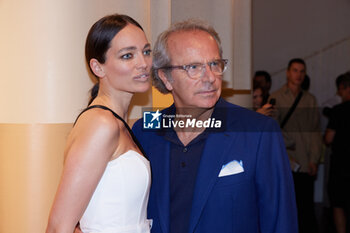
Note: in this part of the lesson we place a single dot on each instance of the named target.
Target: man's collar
(287, 90)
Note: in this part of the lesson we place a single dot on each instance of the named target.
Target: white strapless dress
(119, 203)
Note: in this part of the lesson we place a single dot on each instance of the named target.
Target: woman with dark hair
(258, 99)
(106, 178)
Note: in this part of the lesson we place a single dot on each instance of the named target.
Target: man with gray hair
(216, 167)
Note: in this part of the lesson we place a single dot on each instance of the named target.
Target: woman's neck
(118, 102)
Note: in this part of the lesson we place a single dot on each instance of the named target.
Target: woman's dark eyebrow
(132, 48)
(127, 49)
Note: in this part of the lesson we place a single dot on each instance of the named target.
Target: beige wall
(44, 79)
(44, 85)
(30, 165)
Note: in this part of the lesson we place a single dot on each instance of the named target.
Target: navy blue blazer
(259, 199)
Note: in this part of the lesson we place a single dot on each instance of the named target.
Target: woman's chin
(143, 88)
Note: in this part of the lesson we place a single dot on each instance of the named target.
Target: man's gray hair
(161, 56)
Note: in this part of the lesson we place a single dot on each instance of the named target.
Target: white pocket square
(231, 168)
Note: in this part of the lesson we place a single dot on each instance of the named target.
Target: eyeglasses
(196, 70)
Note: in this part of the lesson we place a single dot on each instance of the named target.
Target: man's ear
(165, 80)
(97, 68)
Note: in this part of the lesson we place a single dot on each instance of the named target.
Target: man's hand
(312, 169)
(329, 136)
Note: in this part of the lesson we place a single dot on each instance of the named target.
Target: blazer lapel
(210, 166)
(161, 172)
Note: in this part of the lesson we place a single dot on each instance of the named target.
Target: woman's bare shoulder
(95, 126)
(98, 120)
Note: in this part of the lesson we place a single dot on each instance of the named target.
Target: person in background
(266, 109)
(298, 115)
(263, 79)
(106, 178)
(337, 98)
(326, 109)
(257, 97)
(337, 135)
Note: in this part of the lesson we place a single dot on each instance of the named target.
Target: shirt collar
(286, 90)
